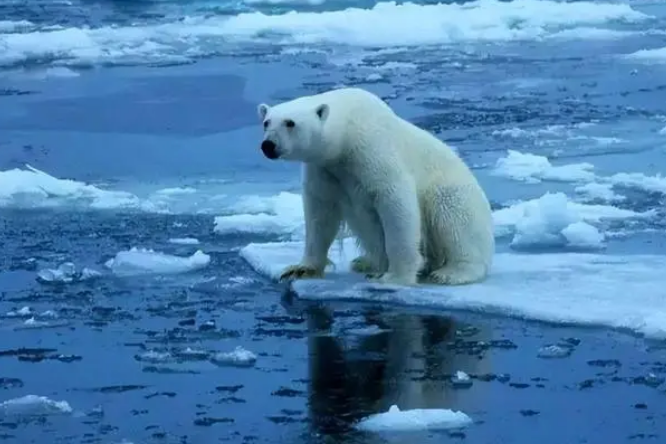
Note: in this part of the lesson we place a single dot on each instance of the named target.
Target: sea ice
(146, 261)
(567, 288)
(532, 168)
(66, 273)
(184, 241)
(239, 357)
(416, 419)
(33, 405)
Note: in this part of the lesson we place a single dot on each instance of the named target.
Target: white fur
(413, 204)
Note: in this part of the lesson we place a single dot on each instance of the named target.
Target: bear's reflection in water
(409, 363)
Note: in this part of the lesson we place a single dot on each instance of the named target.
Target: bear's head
(294, 131)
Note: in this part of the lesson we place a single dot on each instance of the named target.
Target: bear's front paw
(362, 265)
(300, 272)
(392, 278)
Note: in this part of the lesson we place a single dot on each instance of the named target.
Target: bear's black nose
(270, 149)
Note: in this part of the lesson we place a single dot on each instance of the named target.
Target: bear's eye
(266, 123)
(289, 123)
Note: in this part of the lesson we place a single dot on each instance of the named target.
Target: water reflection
(408, 360)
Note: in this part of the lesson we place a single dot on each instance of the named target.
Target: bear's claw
(300, 272)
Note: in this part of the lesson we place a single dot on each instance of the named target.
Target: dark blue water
(149, 126)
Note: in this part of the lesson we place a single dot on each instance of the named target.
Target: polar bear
(416, 210)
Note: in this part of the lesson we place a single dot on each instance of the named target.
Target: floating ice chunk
(175, 191)
(532, 168)
(184, 241)
(654, 184)
(239, 357)
(554, 351)
(154, 357)
(28, 312)
(22, 312)
(66, 273)
(550, 131)
(603, 189)
(583, 235)
(146, 261)
(536, 222)
(416, 419)
(657, 56)
(192, 353)
(543, 221)
(383, 25)
(280, 214)
(261, 223)
(34, 323)
(461, 379)
(374, 77)
(32, 188)
(33, 405)
(598, 191)
(208, 325)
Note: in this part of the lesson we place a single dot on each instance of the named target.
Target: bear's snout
(269, 148)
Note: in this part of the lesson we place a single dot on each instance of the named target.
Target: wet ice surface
(207, 357)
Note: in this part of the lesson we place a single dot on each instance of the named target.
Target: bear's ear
(262, 110)
(322, 111)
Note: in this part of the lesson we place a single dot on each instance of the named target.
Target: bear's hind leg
(459, 230)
